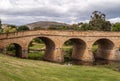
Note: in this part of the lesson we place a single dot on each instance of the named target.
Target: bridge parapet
(61, 33)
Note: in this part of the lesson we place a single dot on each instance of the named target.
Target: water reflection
(96, 62)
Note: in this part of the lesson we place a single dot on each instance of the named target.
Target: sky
(20, 12)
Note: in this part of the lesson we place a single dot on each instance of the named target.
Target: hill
(45, 24)
(15, 69)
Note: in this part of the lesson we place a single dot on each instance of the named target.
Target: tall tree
(98, 22)
(0, 24)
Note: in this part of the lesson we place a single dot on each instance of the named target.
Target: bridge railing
(58, 32)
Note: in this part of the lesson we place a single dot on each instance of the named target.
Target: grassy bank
(15, 69)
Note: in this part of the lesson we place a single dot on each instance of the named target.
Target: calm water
(96, 62)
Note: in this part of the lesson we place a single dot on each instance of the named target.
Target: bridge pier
(55, 56)
(58, 55)
(24, 53)
(21, 53)
(110, 55)
(3, 50)
(88, 56)
(104, 54)
(117, 54)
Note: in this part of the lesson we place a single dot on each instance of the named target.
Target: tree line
(12, 28)
(97, 22)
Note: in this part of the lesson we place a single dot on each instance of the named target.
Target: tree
(116, 27)
(98, 22)
(12, 26)
(9, 28)
(75, 26)
(0, 24)
(22, 28)
(85, 27)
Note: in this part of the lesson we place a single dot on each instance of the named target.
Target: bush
(22, 28)
(9, 28)
(116, 27)
(67, 54)
(11, 49)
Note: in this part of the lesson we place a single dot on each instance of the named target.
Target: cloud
(114, 20)
(68, 11)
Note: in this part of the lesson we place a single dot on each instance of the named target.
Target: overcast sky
(69, 11)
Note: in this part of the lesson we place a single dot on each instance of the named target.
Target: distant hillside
(46, 24)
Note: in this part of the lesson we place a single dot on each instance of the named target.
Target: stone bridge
(108, 49)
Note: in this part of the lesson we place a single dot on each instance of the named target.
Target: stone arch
(49, 47)
(104, 50)
(79, 47)
(17, 48)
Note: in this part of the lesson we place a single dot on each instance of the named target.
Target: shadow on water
(115, 66)
(102, 62)
(94, 63)
(77, 62)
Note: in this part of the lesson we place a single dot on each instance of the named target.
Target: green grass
(15, 69)
(36, 55)
(38, 46)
